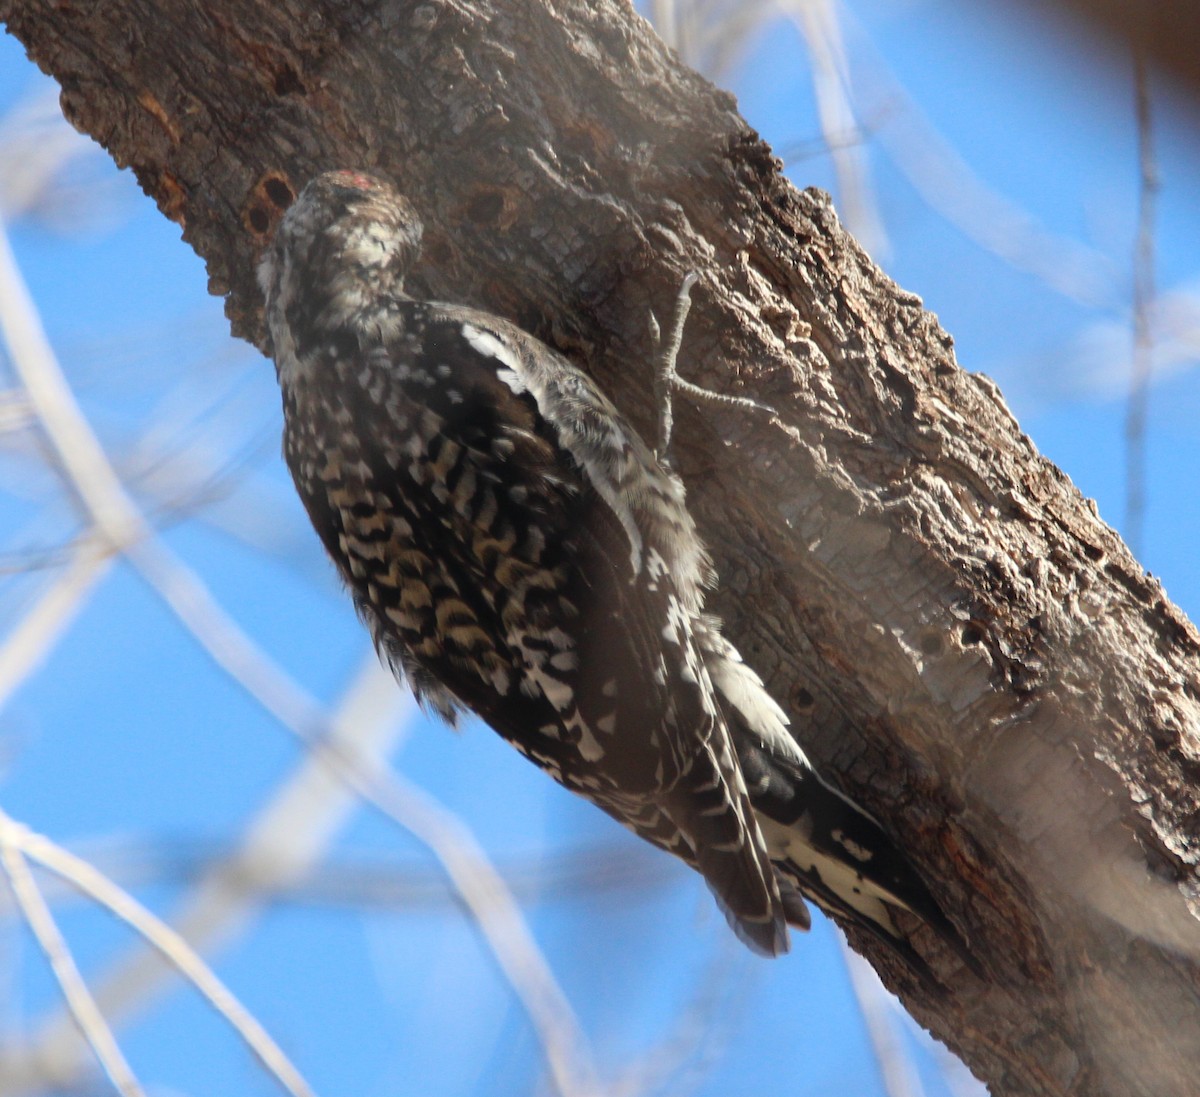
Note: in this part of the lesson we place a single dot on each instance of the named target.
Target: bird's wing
(602, 588)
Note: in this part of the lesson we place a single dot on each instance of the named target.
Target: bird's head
(347, 241)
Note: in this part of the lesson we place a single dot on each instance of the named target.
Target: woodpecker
(517, 550)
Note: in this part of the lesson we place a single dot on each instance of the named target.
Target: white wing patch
(490, 347)
(589, 452)
(741, 687)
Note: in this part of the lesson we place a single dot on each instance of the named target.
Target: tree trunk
(962, 643)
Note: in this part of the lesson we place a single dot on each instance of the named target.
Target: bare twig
(952, 189)
(497, 915)
(279, 848)
(1143, 297)
(84, 460)
(169, 943)
(899, 1077)
(940, 175)
(40, 151)
(116, 515)
(702, 1028)
(80, 1003)
(348, 882)
(34, 636)
(819, 24)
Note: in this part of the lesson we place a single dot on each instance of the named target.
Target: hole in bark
(259, 221)
(271, 195)
(972, 634)
(277, 190)
(1093, 552)
(287, 81)
(494, 206)
(1163, 737)
(802, 700)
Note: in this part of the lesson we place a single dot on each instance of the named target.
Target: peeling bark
(963, 644)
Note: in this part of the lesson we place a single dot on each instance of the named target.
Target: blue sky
(128, 738)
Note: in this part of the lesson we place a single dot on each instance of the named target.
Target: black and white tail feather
(517, 550)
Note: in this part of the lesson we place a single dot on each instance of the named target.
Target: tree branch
(961, 642)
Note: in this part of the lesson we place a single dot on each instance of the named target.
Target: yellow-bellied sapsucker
(517, 550)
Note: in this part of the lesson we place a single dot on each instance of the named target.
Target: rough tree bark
(964, 645)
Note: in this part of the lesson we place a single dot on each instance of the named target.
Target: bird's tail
(711, 804)
(834, 854)
(826, 849)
